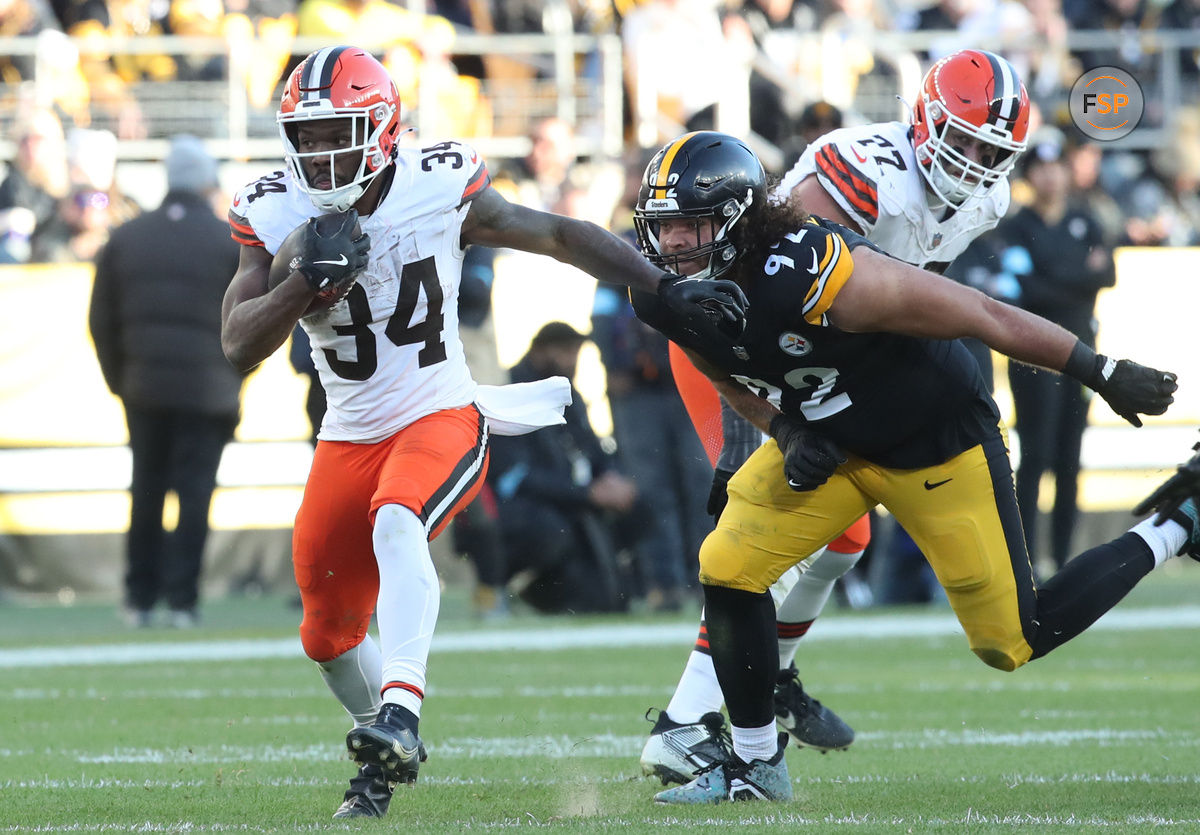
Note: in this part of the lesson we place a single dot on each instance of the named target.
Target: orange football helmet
(341, 82)
(967, 97)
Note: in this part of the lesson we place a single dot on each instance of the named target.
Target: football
(293, 247)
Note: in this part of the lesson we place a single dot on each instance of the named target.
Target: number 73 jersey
(897, 401)
(388, 353)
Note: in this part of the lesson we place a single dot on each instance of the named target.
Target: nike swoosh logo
(343, 262)
(936, 484)
(813, 269)
(857, 155)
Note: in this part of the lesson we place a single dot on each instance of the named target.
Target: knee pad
(723, 563)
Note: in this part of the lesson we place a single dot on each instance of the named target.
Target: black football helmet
(709, 176)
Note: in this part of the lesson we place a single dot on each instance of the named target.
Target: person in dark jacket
(564, 509)
(1056, 249)
(155, 319)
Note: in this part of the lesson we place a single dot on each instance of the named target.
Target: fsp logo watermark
(1106, 103)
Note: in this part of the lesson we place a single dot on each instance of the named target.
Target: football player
(922, 191)
(404, 442)
(851, 362)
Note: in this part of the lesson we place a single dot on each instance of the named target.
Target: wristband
(1088, 367)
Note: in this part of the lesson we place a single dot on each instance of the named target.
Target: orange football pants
(434, 467)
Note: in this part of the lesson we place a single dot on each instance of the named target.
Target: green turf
(1104, 735)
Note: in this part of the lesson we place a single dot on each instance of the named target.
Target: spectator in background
(657, 445)
(35, 182)
(198, 19)
(1056, 249)
(553, 178)
(155, 319)
(93, 205)
(261, 32)
(22, 19)
(564, 508)
(815, 120)
(677, 51)
(1084, 160)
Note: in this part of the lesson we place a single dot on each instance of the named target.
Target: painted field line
(555, 637)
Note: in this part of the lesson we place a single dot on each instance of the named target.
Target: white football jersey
(389, 352)
(871, 172)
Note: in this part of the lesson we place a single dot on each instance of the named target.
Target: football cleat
(809, 722)
(389, 743)
(676, 753)
(1188, 515)
(368, 796)
(736, 780)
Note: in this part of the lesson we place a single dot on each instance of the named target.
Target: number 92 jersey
(389, 352)
(897, 401)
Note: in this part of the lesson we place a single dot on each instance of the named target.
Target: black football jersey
(897, 401)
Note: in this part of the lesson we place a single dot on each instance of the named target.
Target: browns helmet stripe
(1006, 97)
(318, 72)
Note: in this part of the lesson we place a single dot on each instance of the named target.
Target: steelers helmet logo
(794, 344)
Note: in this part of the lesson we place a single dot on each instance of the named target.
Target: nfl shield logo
(937, 239)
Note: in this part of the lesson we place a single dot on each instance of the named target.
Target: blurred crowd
(80, 89)
(81, 85)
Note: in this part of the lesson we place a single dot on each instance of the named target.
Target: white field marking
(1010, 780)
(556, 637)
(545, 746)
(658, 823)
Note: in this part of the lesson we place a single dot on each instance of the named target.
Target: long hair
(765, 223)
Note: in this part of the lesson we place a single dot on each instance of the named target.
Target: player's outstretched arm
(1183, 485)
(884, 294)
(715, 309)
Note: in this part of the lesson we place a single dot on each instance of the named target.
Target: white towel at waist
(518, 408)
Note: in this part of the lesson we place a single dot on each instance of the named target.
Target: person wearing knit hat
(155, 319)
(190, 167)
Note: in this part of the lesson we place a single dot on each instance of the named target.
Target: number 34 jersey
(388, 353)
(897, 401)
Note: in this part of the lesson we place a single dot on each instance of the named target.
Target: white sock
(409, 598)
(755, 743)
(355, 677)
(1164, 540)
(810, 594)
(698, 691)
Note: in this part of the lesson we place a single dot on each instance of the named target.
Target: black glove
(334, 253)
(707, 307)
(809, 459)
(1173, 492)
(1129, 388)
(718, 496)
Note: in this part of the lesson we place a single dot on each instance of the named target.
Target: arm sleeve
(741, 438)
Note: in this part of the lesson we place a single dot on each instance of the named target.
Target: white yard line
(556, 636)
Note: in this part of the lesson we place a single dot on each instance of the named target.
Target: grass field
(538, 723)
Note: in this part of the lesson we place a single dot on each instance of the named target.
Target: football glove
(718, 495)
(707, 308)
(809, 459)
(333, 260)
(1127, 387)
(1183, 485)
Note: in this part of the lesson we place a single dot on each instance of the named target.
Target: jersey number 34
(401, 330)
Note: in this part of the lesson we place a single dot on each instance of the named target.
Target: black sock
(745, 652)
(1087, 587)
